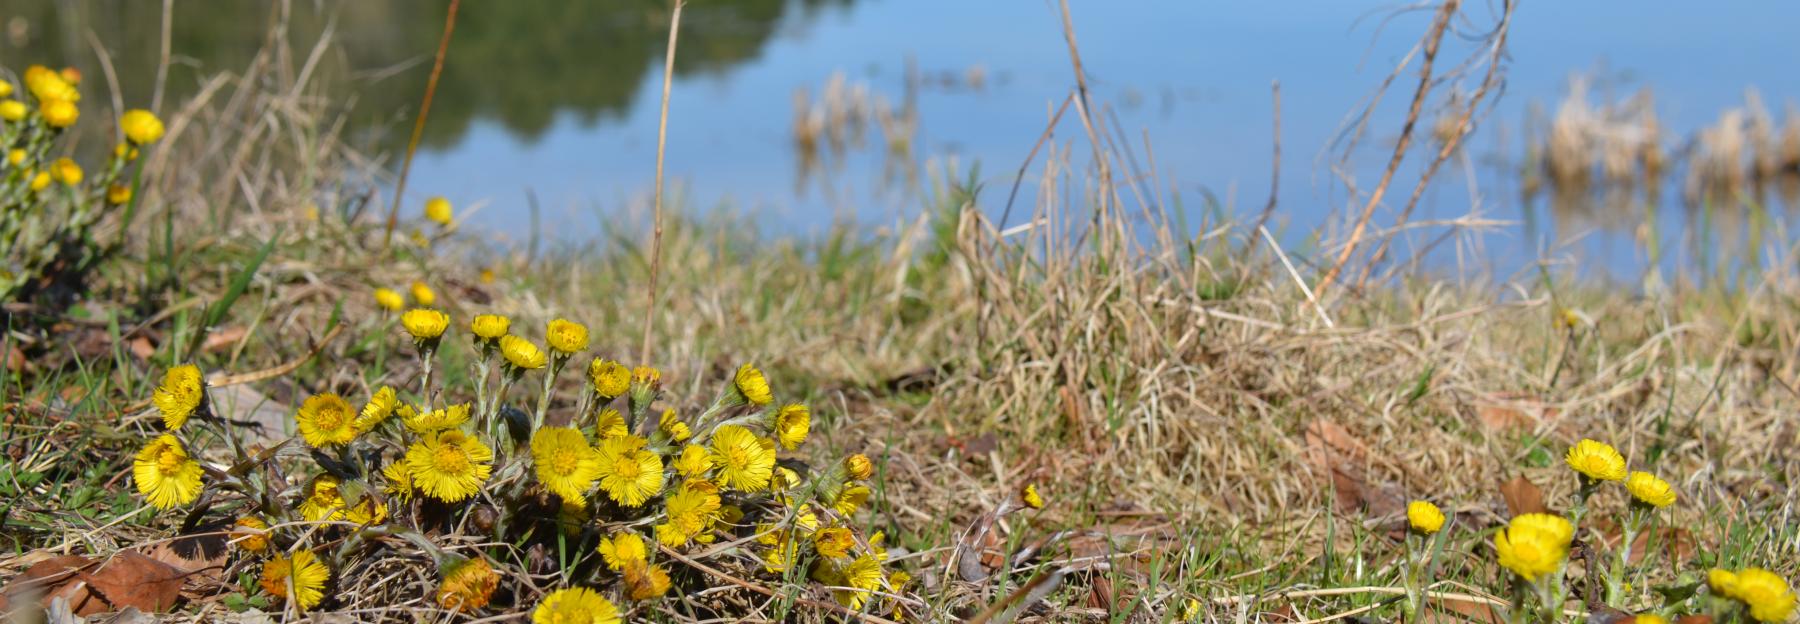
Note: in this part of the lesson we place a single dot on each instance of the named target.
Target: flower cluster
(1764, 594)
(50, 204)
(616, 468)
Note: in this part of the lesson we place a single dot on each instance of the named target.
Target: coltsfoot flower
(65, 170)
(672, 427)
(521, 353)
(565, 464)
(743, 461)
(422, 294)
(833, 542)
(382, 404)
(449, 465)
(448, 417)
(326, 420)
(575, 605)
(1534, 545)
(59, 114)
(489, 327)
(611, 379)
(860, 468)
(566, 337)
(792, 422)
(426, 325)
(140, 126)
(629, 473)
(1597, 460)
(1650, 490)
(1767, 596)
(323, 500)
(468, 585)
(437, 209)
(1029, 495)
(751, 386)
(644, 580)
(1424, 517)
(303, 571)
(389, 299)
(622, 549)
(164, 473)
(180, 395)
(251, 533)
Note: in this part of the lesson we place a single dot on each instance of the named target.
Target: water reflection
(519, 63)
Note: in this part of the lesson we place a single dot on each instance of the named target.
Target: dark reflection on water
(519, 63)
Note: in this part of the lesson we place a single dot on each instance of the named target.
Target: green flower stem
(556, 366)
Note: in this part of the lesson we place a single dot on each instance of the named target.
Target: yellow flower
(303, 571)
(693, 461)
(381, 405)
(1649, 618)
(792, 422)
(565, 336)
(70, 74)
(1723, 582)
(141, 126)
(46, 84)
(644, 580)
(12, 110)
(751, 386)
(629, 474)
(1597, 460)
(611, 379)
(65, 170)
(490, 326)
(468, 585)
(521, 353)
(389, 299)
(60, 113)
(251, 533)
(851, 498)
(1650, 490)
(623, 548)
(782, 551)
(399, 481)
(672, 427)
(575, 605)
(1424, 517)
(449, 466)
(39, 181)
(646, 375)
(438, 209)
(6, 88)
(860, 578)
(16, 157)
(833, 542)
(784, 479)
(692, 508)
(566, 465)
(1534, 545)
(1766, 594)
(118, 194)
(743, 462)
(323, 500)
(180, 395)
(425, 324)
(487, 276)
(127, 153)
(422, 293)
(1029, 495)
(435, 420)
(367, 511)
(859, 467)
(164, 473)
(610, 424)
(326, 420)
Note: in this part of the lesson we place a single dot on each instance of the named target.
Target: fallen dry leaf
(141, 347)
(1522, 496)
(200, 555)
(128, 579)
(223, 337)
(1675, 543)
(1513, 410)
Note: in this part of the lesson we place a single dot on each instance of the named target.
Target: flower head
(118, 194)
(426, 325)
(859, 467)
(303, 573)
(644, 580)
(250, 533)
(389, 299)
(622, 549)
(1029, 495)
(449, 465)
(326, 420)
(565, 464)
(750, 386)
(437, 209)
(422, 293)
(180, 395)
(610, 424)
(1649, 618)
(859, 578)
(164, 473)
(792, 422)
(565, 336)
(323, 500)
(575, 605)
(448, 417)
(672, 427)
(742, 459)
(1534, 545)
(59, 113)
(851, 498)
(39, 180)
(1424, 517)
(1650, 490)
(693, 461)
(381, 405)
(833, 542)
(521, 353)
(1764, 593)
(692, 508)
(140, 126)
(65, 170)
(629, 474)
(1597, 460)
(490, 326)
(611, 379)
(397, 481)
(369, 510)
(468, 585)
(12, 110)
(48, 84)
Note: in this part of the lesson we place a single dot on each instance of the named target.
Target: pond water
(561, 99)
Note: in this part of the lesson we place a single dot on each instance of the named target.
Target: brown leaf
(1100, 594)
(1455, 611)
(1333, 451)
(15, 359)
(223, 337)
(1514, 411)
(141, 347)
(200, 555)
(1522, 496)
(1676, 543)
(128, 579)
